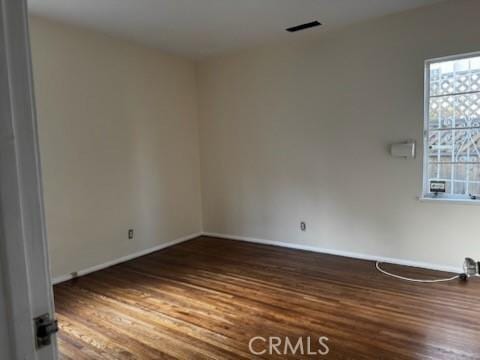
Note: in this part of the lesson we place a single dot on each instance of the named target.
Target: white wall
(119, 145)
(300, 131)
(289, 132)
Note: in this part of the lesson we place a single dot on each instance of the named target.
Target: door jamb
(24, 264)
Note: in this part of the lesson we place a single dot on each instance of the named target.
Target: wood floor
(208, 297)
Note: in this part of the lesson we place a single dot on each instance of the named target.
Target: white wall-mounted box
(404, 150)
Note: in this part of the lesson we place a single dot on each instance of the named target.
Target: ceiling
(200, 28)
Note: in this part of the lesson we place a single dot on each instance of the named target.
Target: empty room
(226, 179)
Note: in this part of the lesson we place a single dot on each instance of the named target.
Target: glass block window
(452, 128)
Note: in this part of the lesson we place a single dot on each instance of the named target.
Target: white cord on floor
(414, 280)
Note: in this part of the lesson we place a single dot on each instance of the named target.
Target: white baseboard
(353, 255)
(316, 249)
(89, 270)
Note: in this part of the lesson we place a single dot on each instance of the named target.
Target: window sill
(458, 201)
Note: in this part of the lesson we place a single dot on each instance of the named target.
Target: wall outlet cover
(303, 226)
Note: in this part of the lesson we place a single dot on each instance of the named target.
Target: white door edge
(24, 265)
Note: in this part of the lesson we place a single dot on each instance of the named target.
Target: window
(452, 128)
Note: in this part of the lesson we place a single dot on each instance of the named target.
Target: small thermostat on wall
(437, 187)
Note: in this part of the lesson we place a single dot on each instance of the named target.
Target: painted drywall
(119, 145)
(199, 28)
(300, 131)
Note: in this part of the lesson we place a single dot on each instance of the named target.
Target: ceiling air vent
(304, 26)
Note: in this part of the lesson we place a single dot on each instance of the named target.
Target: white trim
(426, 124)
(453, 57)
(24, 263)
(456, 201)
(448, 198)
(312, 248)
(353, 255)
(62, 278)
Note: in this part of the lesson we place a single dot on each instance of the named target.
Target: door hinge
(45, 327)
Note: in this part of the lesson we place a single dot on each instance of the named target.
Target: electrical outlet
(303, 226)
(130, 234)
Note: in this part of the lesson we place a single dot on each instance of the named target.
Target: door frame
(24, 264)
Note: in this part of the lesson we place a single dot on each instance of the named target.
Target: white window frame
(426, 195)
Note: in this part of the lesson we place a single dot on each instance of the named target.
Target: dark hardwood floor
(208, 297)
